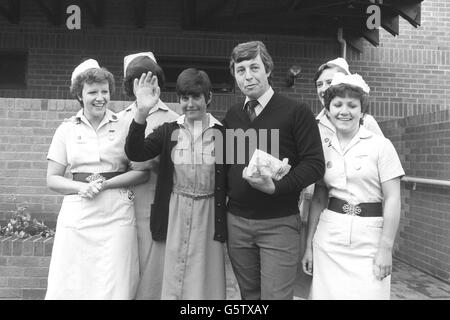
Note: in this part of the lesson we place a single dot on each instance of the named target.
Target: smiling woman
(188, 212)
(95, 248)
(355, 210)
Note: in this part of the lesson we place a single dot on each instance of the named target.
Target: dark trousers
(265, 255)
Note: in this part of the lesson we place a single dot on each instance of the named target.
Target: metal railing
(434, 182)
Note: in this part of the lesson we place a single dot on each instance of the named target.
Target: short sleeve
(57, 151)
(389, 165)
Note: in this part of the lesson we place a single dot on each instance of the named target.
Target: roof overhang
(287, 17)
(301, 17)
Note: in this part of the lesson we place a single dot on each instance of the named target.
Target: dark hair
(248, 51)
(325, 66)
(136, 68)
(194, 82)
(343, 90)
(91, 76)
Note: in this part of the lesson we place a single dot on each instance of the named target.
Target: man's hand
(147, 92)
(260, 182)
(307, 261)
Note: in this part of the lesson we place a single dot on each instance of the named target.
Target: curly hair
(136, 68)
(90, 76)
(345, 90)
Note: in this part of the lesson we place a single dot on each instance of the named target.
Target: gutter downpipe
(343, 43)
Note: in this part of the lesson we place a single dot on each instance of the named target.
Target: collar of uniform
(159, 106)
(263, 100)
(323, 120)
(364, 133)
(212, 121)
(109, 117)
(321, 114)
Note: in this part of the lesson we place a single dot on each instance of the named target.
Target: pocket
(330, 233)
(181, 153)
(375, 222)
(208, 157)
(126, 195)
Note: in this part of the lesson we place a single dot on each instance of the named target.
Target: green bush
(21, 225)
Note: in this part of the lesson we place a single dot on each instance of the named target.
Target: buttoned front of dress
(353, 174)
(194, 264)
(84, 149)
(95, 248)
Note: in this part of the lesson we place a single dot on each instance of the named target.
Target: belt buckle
(351, 209)
(95, 176)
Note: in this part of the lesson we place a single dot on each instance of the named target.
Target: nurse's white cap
(82, 67)
(131, 57)
(340, 62)
(350, 79)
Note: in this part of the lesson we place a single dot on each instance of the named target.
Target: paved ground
(408, 283)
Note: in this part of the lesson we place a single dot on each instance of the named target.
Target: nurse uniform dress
(151, 253)
(344, 245)
(95, 248)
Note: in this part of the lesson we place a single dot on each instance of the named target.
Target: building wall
(408, 76)
(423, 143)
(407, 73)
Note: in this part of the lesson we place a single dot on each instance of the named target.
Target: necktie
(250, 108)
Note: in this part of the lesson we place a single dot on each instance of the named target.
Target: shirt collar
(159, 106)
(212, 121)
(364, 133)
(321, 114)
(109, 117)
(264, 99)
(323, 120)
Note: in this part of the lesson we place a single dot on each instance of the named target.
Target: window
(13, 69)
(216, 68)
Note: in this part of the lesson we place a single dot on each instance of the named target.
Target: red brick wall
(423, 143)
(408, 75)
(24, 267)
(405, 72)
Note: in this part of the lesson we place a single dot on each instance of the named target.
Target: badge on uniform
(130, 195)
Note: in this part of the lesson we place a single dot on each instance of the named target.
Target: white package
(267, 165)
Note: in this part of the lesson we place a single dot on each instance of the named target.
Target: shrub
(21, 225)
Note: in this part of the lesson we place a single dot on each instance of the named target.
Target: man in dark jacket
(263, 216)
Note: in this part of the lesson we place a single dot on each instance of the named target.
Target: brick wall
(407, 73)
(423, 143)
(24, 267)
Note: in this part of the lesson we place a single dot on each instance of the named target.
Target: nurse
(355, 211)
(151, 253)
(95, 248)
(322, 81)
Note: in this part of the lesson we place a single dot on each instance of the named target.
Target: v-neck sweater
(299, 141)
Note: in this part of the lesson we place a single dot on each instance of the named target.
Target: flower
(20, 224)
